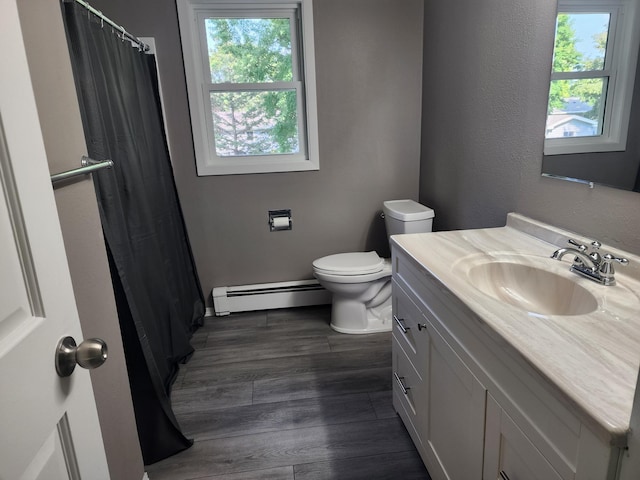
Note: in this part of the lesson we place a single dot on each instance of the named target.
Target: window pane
(581, 42)
(249, 50)
(575, 108)
(255, 123)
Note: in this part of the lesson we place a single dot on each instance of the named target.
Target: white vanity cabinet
(473, 407)
(437, 396)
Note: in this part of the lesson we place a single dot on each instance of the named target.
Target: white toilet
(361, 281)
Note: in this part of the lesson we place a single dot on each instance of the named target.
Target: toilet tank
(407, 216)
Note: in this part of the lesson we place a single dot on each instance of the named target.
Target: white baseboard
(267, 296)
(145, 476)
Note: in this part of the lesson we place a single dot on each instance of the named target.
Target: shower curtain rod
(88, 165)
(102, 16)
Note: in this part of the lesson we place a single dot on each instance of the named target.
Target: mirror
(614, 169)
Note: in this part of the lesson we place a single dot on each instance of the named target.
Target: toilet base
(345, 315)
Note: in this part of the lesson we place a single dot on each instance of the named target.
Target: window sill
(245, 167)
(582, 145)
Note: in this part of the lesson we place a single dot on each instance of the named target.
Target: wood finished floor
(278, 395)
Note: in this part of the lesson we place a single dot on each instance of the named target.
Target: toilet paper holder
(279, 220)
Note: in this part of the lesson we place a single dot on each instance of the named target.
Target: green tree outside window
(252, 53)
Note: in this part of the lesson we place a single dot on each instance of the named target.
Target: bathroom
(441, 102)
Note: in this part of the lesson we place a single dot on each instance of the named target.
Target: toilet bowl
(361, 287)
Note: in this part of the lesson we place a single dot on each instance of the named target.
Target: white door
(48, 425)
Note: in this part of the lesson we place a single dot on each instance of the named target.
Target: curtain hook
(101, 16)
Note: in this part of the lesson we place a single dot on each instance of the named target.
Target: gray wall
(369, 89)
(484, 105)
(59, 114)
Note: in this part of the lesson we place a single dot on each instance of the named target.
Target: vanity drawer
(408, 393)
(409, 326)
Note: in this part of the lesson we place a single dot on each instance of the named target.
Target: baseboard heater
(267, 296)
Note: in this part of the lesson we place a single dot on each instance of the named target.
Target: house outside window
(592, 77)
(251, 84)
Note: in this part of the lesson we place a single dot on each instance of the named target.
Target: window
(251, 85)
(592, 76)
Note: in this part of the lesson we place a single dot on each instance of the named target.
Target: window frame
(619, 68)
(191, 14)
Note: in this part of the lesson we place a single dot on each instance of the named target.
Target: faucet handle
(606, 268)
(580, 246)
(608, 258)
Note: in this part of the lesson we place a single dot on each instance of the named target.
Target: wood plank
(340, 342)
(394, 466)
(250, 370)
(322, 384)
(260, 418)
(227, 352)
(284, 448)
(199, 339)
(383, 404)
(234, 321)
(280, 473)
(263, 338)
(286, 316)
(289, 316)
(212, 397)
(268, 333)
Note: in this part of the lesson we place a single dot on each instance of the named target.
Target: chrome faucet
(592, 265)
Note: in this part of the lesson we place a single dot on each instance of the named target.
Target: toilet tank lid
(407, 210)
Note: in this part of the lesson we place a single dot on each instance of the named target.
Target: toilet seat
(355, 263)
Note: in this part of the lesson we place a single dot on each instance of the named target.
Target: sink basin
(532, 289)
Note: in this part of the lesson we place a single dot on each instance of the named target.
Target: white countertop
(591, 359)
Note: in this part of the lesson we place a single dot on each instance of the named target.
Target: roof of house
(554, 120)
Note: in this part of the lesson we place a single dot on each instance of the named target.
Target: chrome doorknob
(89, 354)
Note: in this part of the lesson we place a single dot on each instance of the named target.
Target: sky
(586, 26)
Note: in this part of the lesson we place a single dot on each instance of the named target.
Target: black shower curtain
(157, 290)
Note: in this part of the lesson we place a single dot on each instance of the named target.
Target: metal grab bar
(88, 165)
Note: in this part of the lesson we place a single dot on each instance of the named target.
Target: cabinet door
(454, 421)
(509, 454)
